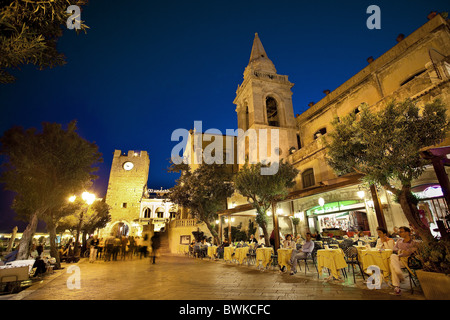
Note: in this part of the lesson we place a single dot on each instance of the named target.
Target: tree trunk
(51, 227)
(213, 232)
(412, 214)
(266, 235)
(77, 239)
(27, 237)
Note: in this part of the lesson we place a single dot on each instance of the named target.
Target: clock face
(128, 165)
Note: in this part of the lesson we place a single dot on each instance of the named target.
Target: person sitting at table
(288, 243)
(383, 241)
(402, 250)
(204, 247)
(262, 241)
(296, 255)
(252, 239)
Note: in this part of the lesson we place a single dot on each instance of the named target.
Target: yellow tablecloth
(377, 258)
(241, 254)
(264, 255)
(212, 251)
(332, 259)
(360, 249)
(183, 248)
(284, 255)
(228, 252)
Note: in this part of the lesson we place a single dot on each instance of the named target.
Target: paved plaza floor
(177, 277)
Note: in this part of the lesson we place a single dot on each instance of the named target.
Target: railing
(179, 223)
(271, 76)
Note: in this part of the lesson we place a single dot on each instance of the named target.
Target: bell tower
(264, 100)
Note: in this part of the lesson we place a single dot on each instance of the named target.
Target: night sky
(149, 67)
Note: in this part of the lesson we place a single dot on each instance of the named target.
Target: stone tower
(264, 101)
(127, 182)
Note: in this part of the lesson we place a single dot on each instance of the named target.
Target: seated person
(288, 243)
(197, 248)
(402, 250)
(40, 265)
(252, 239)
(306, 249)
(383, 241)
(262, 241)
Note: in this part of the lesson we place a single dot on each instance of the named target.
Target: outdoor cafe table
(332, 259)
(264, 255)
(212, 251)
(241, 254)
(378, 258)
(284, 255)
(228, 253)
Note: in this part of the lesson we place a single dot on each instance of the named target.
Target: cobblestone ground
(177, 277)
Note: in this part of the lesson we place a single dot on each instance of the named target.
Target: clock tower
(127, 182)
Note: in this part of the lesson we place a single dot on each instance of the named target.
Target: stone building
(418, 67)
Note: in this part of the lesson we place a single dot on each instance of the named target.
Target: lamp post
(89, 198)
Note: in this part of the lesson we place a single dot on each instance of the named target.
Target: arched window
(147, 213)
(320, 132)
(308, 178)
(160, 212)
(272, 112)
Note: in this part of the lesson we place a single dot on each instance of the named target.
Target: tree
(29, 31)
(263, 191)
(43, 169)
(85, 219)
(203, 192)
(384, 146)
(52, 219)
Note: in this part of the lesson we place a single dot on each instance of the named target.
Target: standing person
(156, 243)
(124, 247)
(117, 243)
(94, 248)
(109, 247)
(402, 250)
(100, 248)
(307, 247)
(131, 246)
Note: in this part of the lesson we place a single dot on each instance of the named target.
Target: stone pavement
(177, 277)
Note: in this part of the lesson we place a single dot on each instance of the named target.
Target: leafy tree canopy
(203, 191)
(29, 31)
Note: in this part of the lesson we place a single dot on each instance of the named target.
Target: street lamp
(89, 198)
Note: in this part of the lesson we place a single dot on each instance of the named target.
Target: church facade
(418, 68)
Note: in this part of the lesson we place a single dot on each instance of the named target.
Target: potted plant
(434, 277)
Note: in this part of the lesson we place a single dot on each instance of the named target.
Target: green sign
(331, 207)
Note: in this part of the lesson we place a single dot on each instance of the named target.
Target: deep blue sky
(147, 68)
